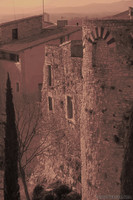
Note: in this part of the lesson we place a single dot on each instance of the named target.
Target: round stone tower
(106, 115)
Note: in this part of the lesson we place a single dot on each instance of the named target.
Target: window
(17, 58)
(40, 91)
(49, 75)
(50, 103)
(3, 55)
(15, 34)
(17, 87)
(14, 57)
(9, 56)
(62, 39)
(69, 107)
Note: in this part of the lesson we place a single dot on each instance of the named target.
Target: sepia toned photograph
(66, 100)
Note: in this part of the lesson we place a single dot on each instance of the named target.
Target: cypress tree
(11, 186)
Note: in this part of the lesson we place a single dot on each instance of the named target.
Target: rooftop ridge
(18, 20)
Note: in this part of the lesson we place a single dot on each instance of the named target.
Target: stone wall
(106, 108)
(63, 162)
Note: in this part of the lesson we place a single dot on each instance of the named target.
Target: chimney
(45, 20)
(62, 23)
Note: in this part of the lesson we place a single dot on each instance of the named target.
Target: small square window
(62, 39)
(15, 34)
(14, 57)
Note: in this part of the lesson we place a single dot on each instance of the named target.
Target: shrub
(72, 196)
(38, 192)
(62, 190)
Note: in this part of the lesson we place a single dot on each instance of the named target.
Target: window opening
(50, 103)
(69, 107)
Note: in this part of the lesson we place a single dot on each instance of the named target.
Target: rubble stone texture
(106, 108)
(100, 87)
(63, 163)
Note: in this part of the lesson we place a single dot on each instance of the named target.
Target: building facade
(61, 95)
(22, 55)
(22, 51)
(93, 104)
(87, 102)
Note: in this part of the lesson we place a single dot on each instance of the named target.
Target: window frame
(50, 101)
(15, 34)
(73, 108)
(49, 73)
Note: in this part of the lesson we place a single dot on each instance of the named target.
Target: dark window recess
(4, 55)
(40, 91)
(50, 103)
(17, 87)
(69, 107)
(15, 34)
(49, 75)
(14, 57)
(131, 62)
(77, 51)
(62, 39)
(17, 58)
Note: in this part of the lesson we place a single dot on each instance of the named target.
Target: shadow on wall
(127, 171)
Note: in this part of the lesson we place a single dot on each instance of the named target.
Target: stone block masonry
(87, 106)
(61, 96)
(106, 113)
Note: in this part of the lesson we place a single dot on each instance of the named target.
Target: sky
(34, 3)
(10, 6)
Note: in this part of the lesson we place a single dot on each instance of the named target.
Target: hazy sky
(34, 3)
(23, 5)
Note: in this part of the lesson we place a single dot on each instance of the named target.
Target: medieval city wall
(106, 109)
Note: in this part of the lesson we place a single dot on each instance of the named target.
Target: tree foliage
(11, 186)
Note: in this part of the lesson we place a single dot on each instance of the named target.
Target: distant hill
(93, 10)
(122, 15)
